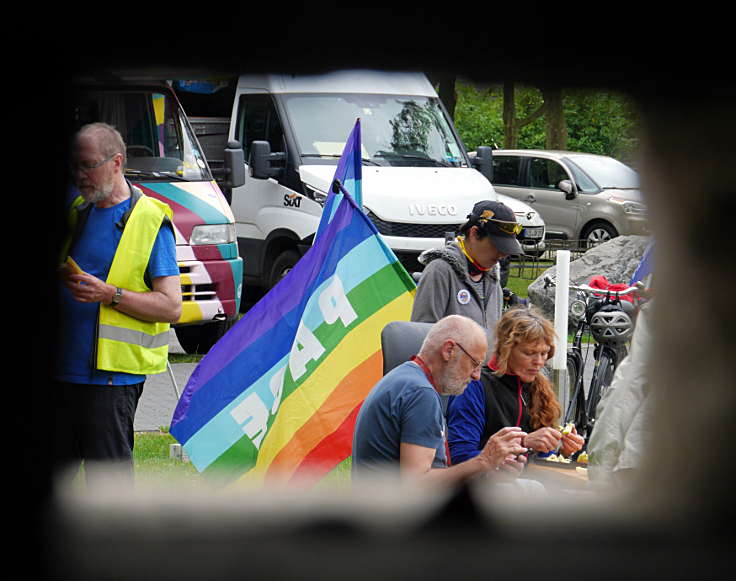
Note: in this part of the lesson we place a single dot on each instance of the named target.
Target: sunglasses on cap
(510, 228)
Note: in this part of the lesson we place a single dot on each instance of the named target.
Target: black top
(507, 403)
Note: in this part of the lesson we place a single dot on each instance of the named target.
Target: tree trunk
(510, 129)
(512, 125)
(555, 117)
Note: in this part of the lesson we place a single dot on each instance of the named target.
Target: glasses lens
(509, 227)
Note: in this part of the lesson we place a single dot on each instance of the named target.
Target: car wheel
(598, 233)
(282, 265)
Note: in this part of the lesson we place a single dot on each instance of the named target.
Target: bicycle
(610, 321)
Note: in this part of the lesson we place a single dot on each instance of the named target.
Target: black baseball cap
(498, 221)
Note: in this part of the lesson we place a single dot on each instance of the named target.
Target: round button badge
(463, 296)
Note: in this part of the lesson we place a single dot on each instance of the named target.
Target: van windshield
(159, 143)
(607, 172)
(395, 130)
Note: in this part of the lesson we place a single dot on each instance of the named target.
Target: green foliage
(597, 121)
(602, 123)
(479, 115)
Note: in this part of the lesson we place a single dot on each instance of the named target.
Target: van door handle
(530, 199)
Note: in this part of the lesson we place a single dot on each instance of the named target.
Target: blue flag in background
(349, 173)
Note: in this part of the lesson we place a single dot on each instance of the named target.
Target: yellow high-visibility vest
(124, 343)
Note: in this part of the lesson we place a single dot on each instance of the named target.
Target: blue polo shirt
(94, 252)
(402, 408)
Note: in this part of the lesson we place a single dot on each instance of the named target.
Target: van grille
(196, 292)
(404, 230)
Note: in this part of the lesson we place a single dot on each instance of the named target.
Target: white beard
(453, 381)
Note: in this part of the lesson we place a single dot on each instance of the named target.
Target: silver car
(580, 196)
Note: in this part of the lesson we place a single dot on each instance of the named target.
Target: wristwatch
(116, 297)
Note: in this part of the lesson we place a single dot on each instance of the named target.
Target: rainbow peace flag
(276, 398)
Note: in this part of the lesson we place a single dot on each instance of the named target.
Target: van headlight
(630, 207)
(315, 194)
(212, 234)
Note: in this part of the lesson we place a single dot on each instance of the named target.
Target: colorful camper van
(165, 160)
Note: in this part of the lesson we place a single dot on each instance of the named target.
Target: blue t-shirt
(402, 408)
(93, 252)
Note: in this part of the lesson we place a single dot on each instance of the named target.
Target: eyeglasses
(510, 228)
(85, 167)
(473, 359)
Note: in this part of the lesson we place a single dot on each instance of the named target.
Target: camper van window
(395, 130)
(159, 143)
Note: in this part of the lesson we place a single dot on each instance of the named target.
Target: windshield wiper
(365, 160)
(155, 174)
(439, 162)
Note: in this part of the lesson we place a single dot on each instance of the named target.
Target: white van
(418, 183)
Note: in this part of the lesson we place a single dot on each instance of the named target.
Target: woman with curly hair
(513, 391)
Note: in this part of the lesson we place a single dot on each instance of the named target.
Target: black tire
(281, 266)
(598, 233)
(201, 338)
(575, 411)
(602, 377)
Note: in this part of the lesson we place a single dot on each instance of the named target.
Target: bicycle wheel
(602, 377)
(576, 405)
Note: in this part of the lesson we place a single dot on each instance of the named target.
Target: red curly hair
(521, 326)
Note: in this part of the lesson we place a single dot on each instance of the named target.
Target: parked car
(580, 196)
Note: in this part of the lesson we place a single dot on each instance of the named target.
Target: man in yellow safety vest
(120, 291)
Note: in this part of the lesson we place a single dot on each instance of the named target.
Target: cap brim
(506, 244)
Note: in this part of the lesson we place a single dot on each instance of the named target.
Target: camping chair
(400, 340)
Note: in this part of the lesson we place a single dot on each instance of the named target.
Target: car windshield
(395, 130)
(159, 143)
(606, 171)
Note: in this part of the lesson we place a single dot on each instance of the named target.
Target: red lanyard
(521, 399)
(418, 360)
(493, 366)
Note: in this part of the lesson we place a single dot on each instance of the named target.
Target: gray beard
(451, 381)
(100, 194)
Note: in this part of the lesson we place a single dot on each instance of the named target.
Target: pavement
(161, 392)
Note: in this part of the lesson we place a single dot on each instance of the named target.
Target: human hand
(64, 271)
(543, 439)
(87, 288)
(502, 445)
(571, 442)
(68, 267)
(512, 467)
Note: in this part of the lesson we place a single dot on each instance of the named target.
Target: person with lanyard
(401, 429)
(463, 277)
(513, 390)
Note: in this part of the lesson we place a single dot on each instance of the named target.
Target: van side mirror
(234, 164)
(569, 188)
(260, 158)
(483, 161)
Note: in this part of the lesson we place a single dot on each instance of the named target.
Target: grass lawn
(519, 285)
(153, 464)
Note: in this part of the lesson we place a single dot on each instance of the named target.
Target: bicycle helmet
(611, 324)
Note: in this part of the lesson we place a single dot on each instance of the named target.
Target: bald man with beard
(401, 426)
